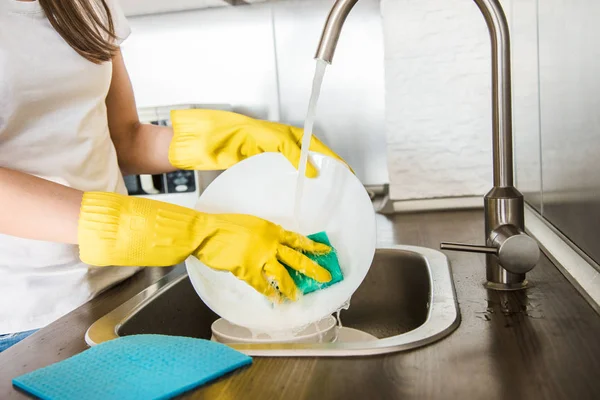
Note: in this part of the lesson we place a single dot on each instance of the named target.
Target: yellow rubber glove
(128, 231)
(216, 140)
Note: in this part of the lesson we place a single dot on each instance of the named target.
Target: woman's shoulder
(121, 25)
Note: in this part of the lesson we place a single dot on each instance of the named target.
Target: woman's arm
(34, 208)
(141, 148)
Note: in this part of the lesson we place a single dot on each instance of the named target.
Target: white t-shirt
(53, 124)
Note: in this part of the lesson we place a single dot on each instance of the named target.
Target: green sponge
(328, 261)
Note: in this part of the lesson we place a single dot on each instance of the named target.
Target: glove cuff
(127, 231)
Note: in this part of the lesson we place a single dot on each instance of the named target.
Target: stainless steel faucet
(510, 252)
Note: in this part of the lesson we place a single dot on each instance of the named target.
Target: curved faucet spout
(501, 92)
(333, 28)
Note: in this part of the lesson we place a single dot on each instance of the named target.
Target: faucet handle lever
(470, 248)
(516, 251)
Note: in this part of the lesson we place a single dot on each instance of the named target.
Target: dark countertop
(542, 343)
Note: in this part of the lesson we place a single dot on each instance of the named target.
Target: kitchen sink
(407, 300)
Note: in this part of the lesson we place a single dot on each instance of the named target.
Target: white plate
(265, 185)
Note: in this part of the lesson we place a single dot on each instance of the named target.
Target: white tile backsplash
(438, 98)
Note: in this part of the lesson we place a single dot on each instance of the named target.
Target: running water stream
(306, 138)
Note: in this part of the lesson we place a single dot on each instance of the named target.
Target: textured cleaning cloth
(328, 261)
(141, 367)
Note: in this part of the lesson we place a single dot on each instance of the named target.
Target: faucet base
(502, 206)
(500, 279)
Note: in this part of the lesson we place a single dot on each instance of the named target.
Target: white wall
(141, 7)
(438, 110)
(223, 55)
(147, 7)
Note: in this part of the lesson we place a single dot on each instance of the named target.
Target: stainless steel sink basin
(407, 300)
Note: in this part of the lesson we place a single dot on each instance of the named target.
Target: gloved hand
(127, 231)
(216, 140)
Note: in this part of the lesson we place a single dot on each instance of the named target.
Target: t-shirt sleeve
(122, 28)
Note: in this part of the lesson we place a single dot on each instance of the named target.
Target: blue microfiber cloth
(139, 367)
(328, 261)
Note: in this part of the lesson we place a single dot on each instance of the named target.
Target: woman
(68, 130)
